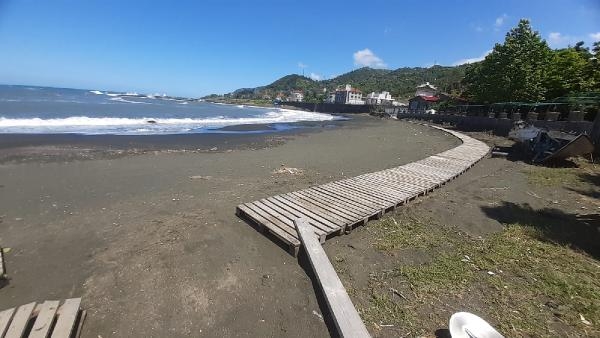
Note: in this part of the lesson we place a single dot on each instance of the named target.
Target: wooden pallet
(337, 207)
(48, 319)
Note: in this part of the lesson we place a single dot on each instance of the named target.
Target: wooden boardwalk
(48, 319)
(338, 207)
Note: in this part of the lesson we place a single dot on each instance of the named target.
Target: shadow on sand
(580, 232)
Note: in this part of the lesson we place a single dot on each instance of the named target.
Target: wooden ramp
(347, 320)
(49, 319)
(338, 207)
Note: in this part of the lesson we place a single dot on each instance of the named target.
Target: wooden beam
(347, 320)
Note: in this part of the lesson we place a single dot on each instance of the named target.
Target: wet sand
(150, 240)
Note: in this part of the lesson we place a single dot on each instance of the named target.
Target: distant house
(330, 98)
(296, 96)
(383, 98)
(348, 95)
(425, 97)
(426, 89)
(422, 103)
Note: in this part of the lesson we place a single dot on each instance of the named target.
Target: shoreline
(64, 147)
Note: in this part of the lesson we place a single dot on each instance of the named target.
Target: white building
(296, 96)
(330, 98)
(383, 98)
(426, 89)
(348, 95)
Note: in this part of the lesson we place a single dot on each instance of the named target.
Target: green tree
(568, 72)
(593, 68)
(513, 71)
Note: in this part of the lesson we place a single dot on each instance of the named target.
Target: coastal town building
(348, 95)
(330, 98)
(426, 89)
(422, 103)
(296, 96)
(425, 96)
(383, 98)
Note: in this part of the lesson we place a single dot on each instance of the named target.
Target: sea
(46, 110)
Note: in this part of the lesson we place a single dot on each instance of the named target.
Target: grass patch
(553, 177)
(523, 284)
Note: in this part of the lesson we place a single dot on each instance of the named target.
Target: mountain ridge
(401, 82)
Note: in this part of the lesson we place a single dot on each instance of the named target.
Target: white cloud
(472, 60)
(559, 40)
(302, 65)
(595, 36)
(500, 20)
(315, 76)
(367, 58)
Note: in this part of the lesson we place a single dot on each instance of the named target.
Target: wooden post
(347, 320)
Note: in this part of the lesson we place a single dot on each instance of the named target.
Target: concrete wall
(332, 107)
(499, 126)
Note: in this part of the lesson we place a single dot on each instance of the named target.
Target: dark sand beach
(150, 239)
(144, 229)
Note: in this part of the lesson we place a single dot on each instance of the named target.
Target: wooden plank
(367, 207)
(344, 314)
(376, 189)
(287, 216)
(427, 170)
(45, 319)
(20, 320)
(412, 178)
(67, 316)
(342, 203)
(258, 217)
(324, 212)
(312, 213)
(338, 208)
(405, 178)
(363, 196)
(350, 197)
(277, 218)
(5, 318)
(409, 190)
(292, 214)
(344, 215)
(386, 186)
(421, 174)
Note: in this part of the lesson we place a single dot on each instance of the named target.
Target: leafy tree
(593, 68)
(568, 72)
(513, 71)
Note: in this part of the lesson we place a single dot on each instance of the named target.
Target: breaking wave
(149, 125)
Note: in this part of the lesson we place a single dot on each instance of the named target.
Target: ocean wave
(120, 99)
(97, 92)
(149, 125)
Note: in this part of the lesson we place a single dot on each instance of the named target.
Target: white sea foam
(97, 92)
(142, 126)
(120, 99)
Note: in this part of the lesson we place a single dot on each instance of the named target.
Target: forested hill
(400, 83)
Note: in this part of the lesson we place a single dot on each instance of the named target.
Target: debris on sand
(289, 171)
(199, 177)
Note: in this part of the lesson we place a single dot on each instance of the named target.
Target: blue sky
(193, 48)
